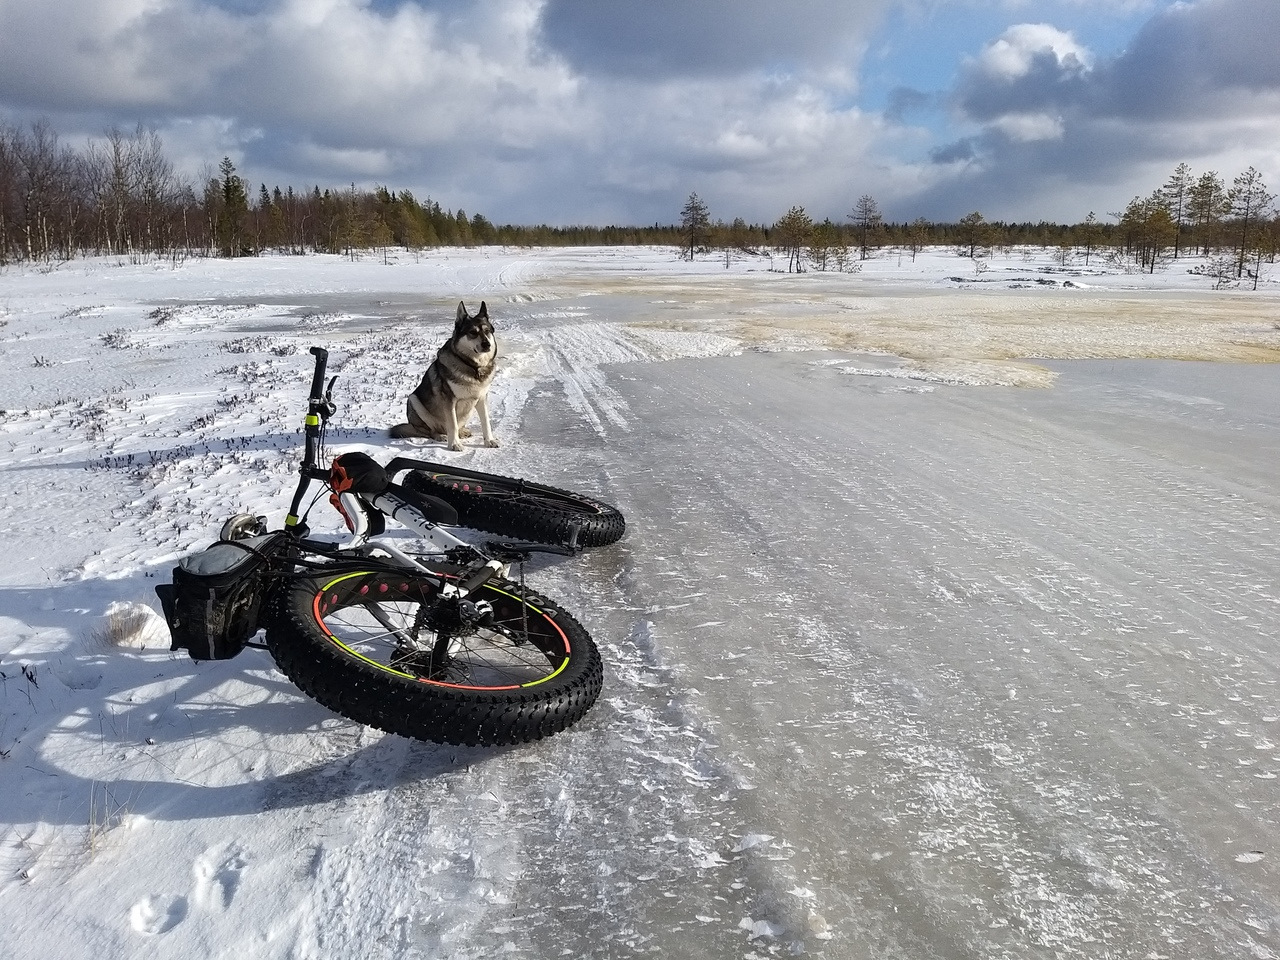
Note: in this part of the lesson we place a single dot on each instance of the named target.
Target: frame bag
(212, 606)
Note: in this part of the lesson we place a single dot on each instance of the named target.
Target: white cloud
(749, 149)
(1029, 127)
(1013, 54)
(740, 144)
(340, 68)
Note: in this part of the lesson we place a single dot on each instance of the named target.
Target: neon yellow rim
(355, 654)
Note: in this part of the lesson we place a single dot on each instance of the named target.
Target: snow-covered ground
(152, 806)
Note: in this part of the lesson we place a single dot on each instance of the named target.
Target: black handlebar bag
(216, 597)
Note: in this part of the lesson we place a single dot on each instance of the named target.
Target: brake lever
(329, 408)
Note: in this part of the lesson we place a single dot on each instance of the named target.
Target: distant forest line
(121, 195)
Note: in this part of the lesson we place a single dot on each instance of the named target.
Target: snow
(154, 806)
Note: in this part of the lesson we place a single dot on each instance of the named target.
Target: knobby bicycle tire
(533, 674)
(522, 509)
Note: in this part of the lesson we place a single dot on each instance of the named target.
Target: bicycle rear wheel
(380, 648)
(522, 509)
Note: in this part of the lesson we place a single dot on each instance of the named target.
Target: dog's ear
(483, 312)
(462, 312)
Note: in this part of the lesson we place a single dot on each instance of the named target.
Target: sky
(585, 111)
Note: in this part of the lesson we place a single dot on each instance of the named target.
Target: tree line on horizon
(121, 195)
(1186, 215)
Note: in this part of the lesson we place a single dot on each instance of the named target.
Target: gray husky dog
(455, 383)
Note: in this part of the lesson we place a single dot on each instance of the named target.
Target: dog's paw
(491, 442)
(464, 432)
(456, 447)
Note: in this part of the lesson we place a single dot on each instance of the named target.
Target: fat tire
(522, 509)
(380, 695)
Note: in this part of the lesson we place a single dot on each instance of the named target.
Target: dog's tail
(402, 430)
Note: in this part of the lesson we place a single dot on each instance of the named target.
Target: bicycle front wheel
(521, 508)
(381, 648)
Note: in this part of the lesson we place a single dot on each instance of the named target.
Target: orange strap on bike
(339, 480)
(355, 473)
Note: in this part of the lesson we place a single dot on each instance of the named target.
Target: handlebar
(320, 408)
(317, 379)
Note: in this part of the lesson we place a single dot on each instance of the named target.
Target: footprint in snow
(218, 878)
(155, 915)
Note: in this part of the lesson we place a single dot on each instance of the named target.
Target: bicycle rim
(384, 622)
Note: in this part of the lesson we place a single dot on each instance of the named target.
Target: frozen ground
(944, 626)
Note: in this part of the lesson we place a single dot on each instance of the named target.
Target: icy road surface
(933, 671)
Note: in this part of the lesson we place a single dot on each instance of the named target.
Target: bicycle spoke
(361, 630)
(403, 638)
(501, 653)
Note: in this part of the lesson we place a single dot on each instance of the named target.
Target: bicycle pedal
(508, 552)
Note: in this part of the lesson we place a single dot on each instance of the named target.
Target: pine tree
(1249, 202)
(973, 232)
(1147, 229)
(462, 228)
(695, 226)
(867, 220)
(1177, 194)
(1206, 206)
(233, 212)
(1088, 234)
(822, 245)
(917, 236)
(793, 232)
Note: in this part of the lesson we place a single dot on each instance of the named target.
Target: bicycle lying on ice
(439, 644)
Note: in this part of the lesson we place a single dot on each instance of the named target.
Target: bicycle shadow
(433, 453)
(167, 738)
(147, 457)
(83, 712)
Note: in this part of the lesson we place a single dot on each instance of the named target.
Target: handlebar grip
(317, 379)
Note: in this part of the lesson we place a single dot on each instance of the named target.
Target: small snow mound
(133, 625)
(962, 373)
(818, 926)
(756, 929)
(752, 840)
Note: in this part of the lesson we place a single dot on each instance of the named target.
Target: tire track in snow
(575, 354)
